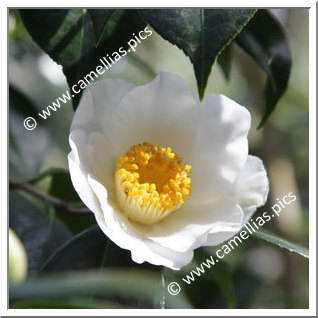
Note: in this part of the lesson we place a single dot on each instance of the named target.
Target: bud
(18, 261)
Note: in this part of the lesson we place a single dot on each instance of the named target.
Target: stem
(163, 285)
(60, 204)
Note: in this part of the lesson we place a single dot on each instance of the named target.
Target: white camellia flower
(163, 173)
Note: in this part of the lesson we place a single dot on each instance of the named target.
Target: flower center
(151, 182)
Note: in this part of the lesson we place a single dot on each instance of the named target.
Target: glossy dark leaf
(40, 235)
(221, 275)
(46, 174)
(225, 60)
(62, 188)
(265, 41)
(68, 37)
(27, 148)
(20, 103)
(201, 33)
(119, 29)
(64, 35)
(19, 106)
(282, 243)
(99, 18)
(91, 249)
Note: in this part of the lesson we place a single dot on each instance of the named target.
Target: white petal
(221, 146)
(216, 239)
(189, 227)
(163, 112)
(122, 232)
(251, 186)
(79, 180)
(91, 152)
(248, 212)
(99, 100)
(88, 156)
(250, 191)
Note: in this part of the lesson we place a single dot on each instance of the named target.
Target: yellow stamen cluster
(151, 182)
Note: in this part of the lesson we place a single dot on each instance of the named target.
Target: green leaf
(99, 18)
(68, 37)
(221, 275)
(201, 33)
(225, 59)
(40, 235)
(131, 283)
(61, 187)
(46, 174)
(20, 107)
(68, 303)
(27, 148)
(90, 249)
(119, 29)
(265, 41)
(13, 144)
(61, 33)
(20, 103)
(282, 243)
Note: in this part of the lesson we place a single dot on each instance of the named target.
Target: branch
(60, 204)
